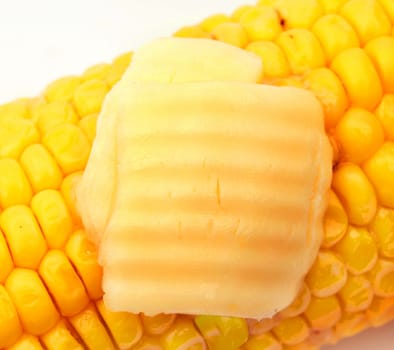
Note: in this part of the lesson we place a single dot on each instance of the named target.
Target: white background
(41, 40)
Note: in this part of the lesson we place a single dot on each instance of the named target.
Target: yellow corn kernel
(382, 229)
(91, 330)
(359, 134)
(385, 113)
(125, 327)
(291, 331)
(27, 342)
(329, 90)
(89, 96)
(10, 329)
(60, 338)
(23, 235)
(63, 283)
(40, 168)
(381, 311)
(55, 113)
(357, 294)
(88, 126)
(239, 12)
(358, 250)
(148, 343)
(15, 135)
(367, 17)
(62, 89)
(331, 6)
(323, 313)
(211, 22)
(356, 193)
(67, 190)
(222, 333)
(335, 221)
(380, 171)
(298, 14)
(192, 32)
(327, 275)
(359, 77)
(53, 216)
(262, 342)
(381, 51)
(299, 305)
(32, 301)
(157, 324)
(15, 109)
(335, 35)
(83, 255)
(69, 146)
(388, 6)
(302, 49)
(231, 33)
(117, 69)
(351, 324)
(261, 23)
(274, 60)
(383, 278)
(5, 261)
(258, 327)
(181, 333)
(98, 71)
(14, 185)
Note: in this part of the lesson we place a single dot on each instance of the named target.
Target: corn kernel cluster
(50, 282)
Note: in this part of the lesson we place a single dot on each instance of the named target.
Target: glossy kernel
(55, 113)
(323, 313)
(67, 189)
(332, 6)
(292, 331)
(158, 324)
(357, 294)
(192, 32)
(98, 71)
(27, 342)
(231, 33)
(209, 23)
(382, 229)
(385, 113)
(300, 13)
(10, 329)
(62, 89)
(89, 96)
(383, 278)
(6, 262)
(60, 338)
(299, 305)
(262, 342)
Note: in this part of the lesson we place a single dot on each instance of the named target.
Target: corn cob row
(50, 282)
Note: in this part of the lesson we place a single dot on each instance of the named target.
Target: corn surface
(50, 282)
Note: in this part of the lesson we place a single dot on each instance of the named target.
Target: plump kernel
(62, 89)
(209, 23)
(262, 342)
(125, 328)
(291, 331)
(329, 90)
(14, 185)
(15, 109)
(359, 134)
(10, 329)
(67, 189)
(192, 32)
(158, 324)
(258, 327)
(231, 33)
(331, 6)
(323, 313)
(357, 294)
(183, 332)
(60, 338)
(299, 304)
(89, 96)
(274, 61)
(117, 68)
(358, 74)
(382, 229)
(15, 135)
(148, 343)
(298, 14)
(24, 237)
(383, 278)
(385, 113)
(261, 23)
(355, 192)
(222, 333)
(88, 126)
(351, 324)
(335, 221)
(335, 35)
(381, 311)
(27, 342)
(55, 113)
(83, 255)
(327, 275)
(53, 216)
(6, 262)
(98, 71)
(381, 51)
(90, 328)
(69, 146)
(388, 7)
(358, 250)
(380, 171)
(302, 49)
(32, 301)
(367, 17)
(239, 12)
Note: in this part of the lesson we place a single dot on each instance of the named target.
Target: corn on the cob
(50, 295)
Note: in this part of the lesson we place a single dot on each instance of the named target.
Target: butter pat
(216, 196)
